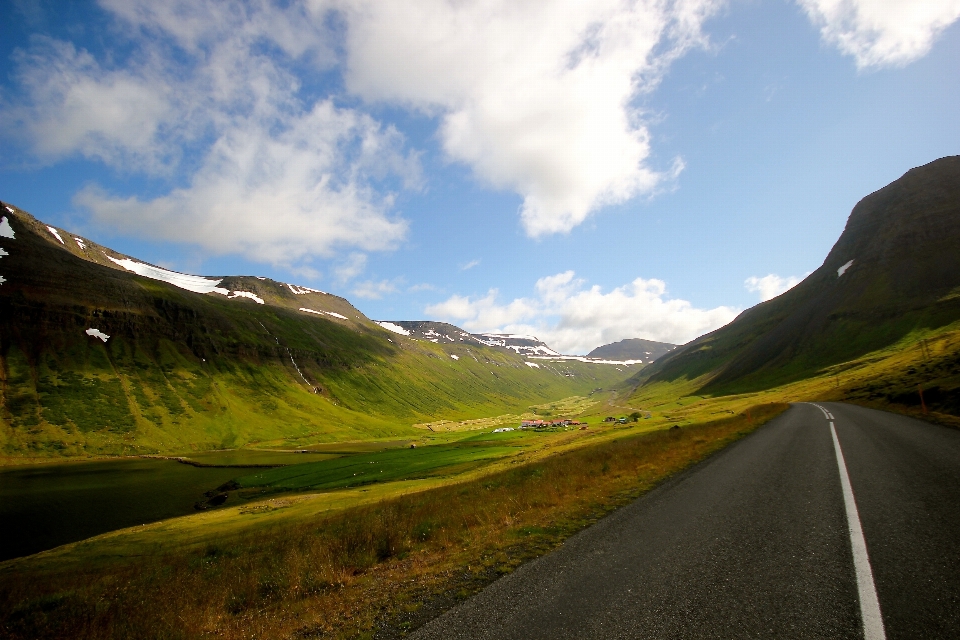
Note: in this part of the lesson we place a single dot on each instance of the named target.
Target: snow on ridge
(246, 294)
(96, 333)
(389, 326)
(79, 242)
(510, 335)
(844, 268)
(541, 349)
(197, 284)
(329, 313)
(3, 253)
(56, 234)
(586, 359)
(9, 209)
(302, 290)
(6, 231)
(454, 356)
(2, 279)
(534, 365)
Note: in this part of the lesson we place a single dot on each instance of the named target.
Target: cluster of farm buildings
(539, 424)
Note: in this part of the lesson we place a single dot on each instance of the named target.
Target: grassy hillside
(904, 280)
(184, 370)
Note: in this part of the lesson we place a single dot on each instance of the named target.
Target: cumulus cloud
(882, 32)
(351, 267)
(74, 106)
(772, 285)
(574, 318)
(536, 97)
(210, 98)
(372, 290)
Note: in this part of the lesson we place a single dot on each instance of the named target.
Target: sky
(581, 171)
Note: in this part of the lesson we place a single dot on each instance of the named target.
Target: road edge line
(869, 603)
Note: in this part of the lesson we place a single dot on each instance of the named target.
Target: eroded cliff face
(895, 269)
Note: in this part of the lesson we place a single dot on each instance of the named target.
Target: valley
(353, 476)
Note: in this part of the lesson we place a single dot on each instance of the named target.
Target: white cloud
(536, 97)
(210, 98)
(882, 32)
(470, 265)
(370, 290)
(351, 267)
(575, 319)
(772, 285)
(74, 106)
(273, 196)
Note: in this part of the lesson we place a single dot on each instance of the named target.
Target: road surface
(760, 541)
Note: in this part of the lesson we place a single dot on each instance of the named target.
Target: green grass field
(384, 466)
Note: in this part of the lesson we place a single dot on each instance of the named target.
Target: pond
(45, 506)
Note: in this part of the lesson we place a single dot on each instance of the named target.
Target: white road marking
(826, 414)
(869, 604)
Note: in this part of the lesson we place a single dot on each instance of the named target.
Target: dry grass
(345, 574)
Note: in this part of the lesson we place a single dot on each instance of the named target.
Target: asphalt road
(756, 543)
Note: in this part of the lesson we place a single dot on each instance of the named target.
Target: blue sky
(585, 172)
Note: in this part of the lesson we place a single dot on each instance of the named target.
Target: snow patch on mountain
(6, 231)
(246, 294)
(454, 356)
(319, 313)
(302, 290)
(80, 244)
(844, 268)
(56, 234)
(586, 359)
(3, 253)
(197, 284)
(389, 326)
(532, 364)
(511, 336)
(96, 333)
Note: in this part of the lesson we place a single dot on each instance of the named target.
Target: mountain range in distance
(632, 350)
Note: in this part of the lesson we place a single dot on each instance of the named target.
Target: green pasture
(385, 466)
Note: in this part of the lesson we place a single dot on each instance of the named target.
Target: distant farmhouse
(540, 424)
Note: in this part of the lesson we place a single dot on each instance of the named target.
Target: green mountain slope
(894, 272)
(253, 360)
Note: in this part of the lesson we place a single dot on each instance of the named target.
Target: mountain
(441, 332)
(894, 272)
(645, 351)
(102, 353)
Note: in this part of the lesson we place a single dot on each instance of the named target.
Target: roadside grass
(346, 572)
